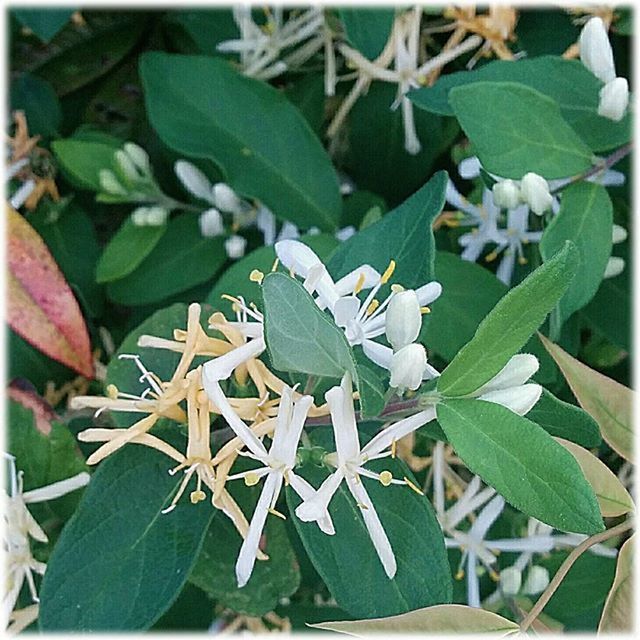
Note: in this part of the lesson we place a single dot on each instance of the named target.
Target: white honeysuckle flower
(618, 234)
(194, 181)
(349, 460)
(534, 191)
(510, 581)
(21, 194)
(408, 366)
(20, 526)
(211, 223)
(278, 463)
(139, 157)
(226, 198)
(614, 99)
(537, 580)
(595, 50)
(127, 166)
(615, 266)
(404, 319)
(154, 216)
(235, 246)
(110, 184)
(506, 194)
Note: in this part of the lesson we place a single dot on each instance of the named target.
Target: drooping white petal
(223, 366)
(343, 419)
(345, 310)
(306, 492)
(378, 353)
(57, 489)
(315, 507)
(532, 544)
(374, 527)
(504, 272)
(516, 372)
(473, 581)
(486, 518)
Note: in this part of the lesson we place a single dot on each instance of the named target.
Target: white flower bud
(211, 223)
(127, 166)
(110, 184)
(510, 581)
(403, 319)
(537, 581)
(595, 50)
(534, 190)
(506, 194)
(408, 366)
(619, 234)
(235, 246)
(226, 198)
(149, 216)
(193, 180)
(614, 267)
(614, 99)
(139, 157)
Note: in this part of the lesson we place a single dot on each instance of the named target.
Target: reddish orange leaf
(23, 392)
(41, 307)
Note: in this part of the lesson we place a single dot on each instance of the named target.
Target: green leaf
(120, 563)
(38, 100)
(522, 462)
(82, 160)
(509, 325)
(469, 292)
(181, 259)
(585, 218)
(130, 245)
(371, 387)
(516, 129)
(347, 561)
(565, 420)
(299, 336)
(403, 235)
(202, 108)
(567, 82)
(368, 29)
(608, 402)
(45, 23)
(618, 608)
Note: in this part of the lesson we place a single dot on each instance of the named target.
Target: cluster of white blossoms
(597, 56)
(502, 219)
(19, 528)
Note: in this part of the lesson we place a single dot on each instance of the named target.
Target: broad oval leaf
(82, 160)
(613, 498)
(367, 29)
(347, 561)
(41, 307)
(516, 129)
(442, 619)
(120, 563)
(608, 402)
(618, 610)
(522, 462)
(509, 325)
(585, 218)
(44, 23)
(202, 108)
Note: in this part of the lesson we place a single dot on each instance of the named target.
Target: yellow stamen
(277, 513)
(362, 506)
(276, 262)
(413, 486)
(424, 310)
(494, 576)
(394, 446)
(374, 304)
(256, 276)
(389, 272)
(386, 478)
(450, 222)
(180, 335)
(197, 496)
(112, 391)
(397, 288)
(359, 284)
(491, 257)
(202, 397)
(522, 260)
(460, 574)
(251, 479)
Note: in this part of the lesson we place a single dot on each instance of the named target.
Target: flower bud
(510, 581)
(595, 50)
(506, 194)
(403, 319)
(139, 157)
(614, 267)
(408, 366)
(614, 99)
(534, 190)
(127, 166)
(110, 184)
(619, 234)
(211, 223)
(226, 198)
(235, 246)
(537, 581)
(193, 180)
(149, 216)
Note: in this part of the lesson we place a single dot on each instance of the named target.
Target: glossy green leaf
(299, 336)
(347, 561)
(516, 129)
(38, 100)
(568, 82)
(181, 259)
(120, 563)
(45, 23)
(585, 218)
(82, 160)
(509, 325)
(522, 462)
(368, 29)
(202, 108)
(130, 245)
(565, 420)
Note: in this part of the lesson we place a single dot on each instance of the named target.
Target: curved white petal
(516, 372)
(343, 419)
(378, 353)
(347, 284)
(345, 310)
(306, 492)
(316, 506)
(429, 292)
(519, 399)
(222, 367)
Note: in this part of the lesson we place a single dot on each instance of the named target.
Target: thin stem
(566, 565)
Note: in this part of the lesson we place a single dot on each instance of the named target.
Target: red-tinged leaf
(41, 307)
(24, 392)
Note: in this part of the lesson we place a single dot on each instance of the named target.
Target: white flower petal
(315, 507)
(595, 50)
(306, 492)
(194, 180)
(343, 419)
(347, 284)
(223, 366)
(378, 353)
(57, 489)
(516, 372)
(519, 399)
(345, 310)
